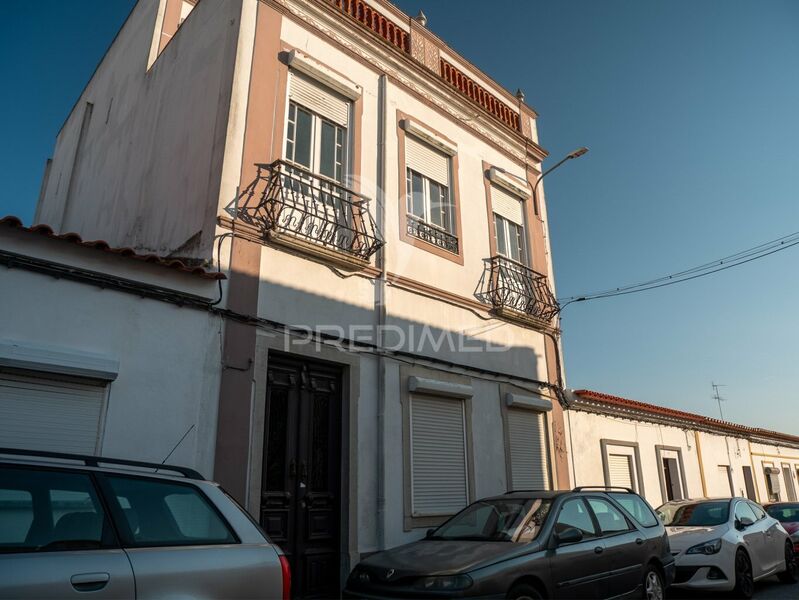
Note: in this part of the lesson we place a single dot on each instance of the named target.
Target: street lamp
(576, 154)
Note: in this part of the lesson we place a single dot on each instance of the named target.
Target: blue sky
(690, 111)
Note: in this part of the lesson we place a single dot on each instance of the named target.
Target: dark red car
(787, 513)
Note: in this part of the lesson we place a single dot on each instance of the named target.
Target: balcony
(310, 213)
(430, 234)
(517, 292)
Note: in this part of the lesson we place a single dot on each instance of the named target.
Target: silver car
(73, 526)
(726, 544)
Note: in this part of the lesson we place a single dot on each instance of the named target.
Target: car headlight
(444, 583)
(711, 547)
(360, 576)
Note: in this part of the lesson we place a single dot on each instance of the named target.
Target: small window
(772, 483)
(637, 508)
(168, 514)
(42, 510)
(620, 471)
(610, 518)
(574, 513)
(510, 239)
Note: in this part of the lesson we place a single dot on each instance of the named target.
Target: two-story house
(390, 349)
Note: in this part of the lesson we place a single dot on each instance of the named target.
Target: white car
(726, 544)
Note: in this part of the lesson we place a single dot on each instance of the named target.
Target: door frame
(659, 450)
(350, 392)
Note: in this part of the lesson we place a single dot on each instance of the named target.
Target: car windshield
(499, 520)
(695, 514)
(784, 513)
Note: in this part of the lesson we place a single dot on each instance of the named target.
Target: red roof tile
(172, 263)
(693, 418)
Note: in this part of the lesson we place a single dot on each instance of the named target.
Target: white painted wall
(169, 357)
(585, 430)
(148, 169)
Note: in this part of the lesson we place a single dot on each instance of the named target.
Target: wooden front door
(301, 481)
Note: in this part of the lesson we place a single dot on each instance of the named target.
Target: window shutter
(318, 98)
(621, 470)
(426, 160)
(507, 205)
(438, 456)
(44, 414)
(528, 451)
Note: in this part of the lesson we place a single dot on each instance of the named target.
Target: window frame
(453, 189)
(606, 446)
(125, 535)
(507, 236)
(315, 143)
(427, 183)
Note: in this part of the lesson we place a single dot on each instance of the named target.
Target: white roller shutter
(426, 160)
(438, 456)
(528, 450)
(621, 470)
(507, 205)
(319, 99)
(44, 414)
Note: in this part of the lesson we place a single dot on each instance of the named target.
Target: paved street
(768, 589)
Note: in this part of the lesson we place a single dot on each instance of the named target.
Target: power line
(722, 264)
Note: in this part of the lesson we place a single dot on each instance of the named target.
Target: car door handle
(639, 541)
(599, 550)
(90, 582)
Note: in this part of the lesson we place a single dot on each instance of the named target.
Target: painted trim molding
(605, 445)
(316, 70)
(428, 136)
(508, 182)
(434, 387)
(529, 402)
(58, 360)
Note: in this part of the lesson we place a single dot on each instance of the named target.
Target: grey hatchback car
(73, 526)
(584, 543)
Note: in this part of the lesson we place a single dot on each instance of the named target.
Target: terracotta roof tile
(693, 418)
(74, 238)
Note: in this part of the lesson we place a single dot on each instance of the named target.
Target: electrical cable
(722, 264)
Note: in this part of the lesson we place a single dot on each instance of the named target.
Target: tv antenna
(717, 397)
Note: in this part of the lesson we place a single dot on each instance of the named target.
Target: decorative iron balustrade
(512, 285)
(432, 235)
(313, 208)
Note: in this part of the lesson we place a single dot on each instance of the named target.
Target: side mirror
(429, 533)
(569, 536)
(743, 523)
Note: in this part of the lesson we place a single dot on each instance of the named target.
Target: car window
(574, 513)
(759, 512)
(784, 513)
(506, 519)
(610, 518)
(161, 513)
(744, 510)
(637, 507)
(45, 510)
(704, 513)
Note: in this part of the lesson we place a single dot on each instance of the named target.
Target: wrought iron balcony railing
(513, 286)
(298, 206)
(432, 235)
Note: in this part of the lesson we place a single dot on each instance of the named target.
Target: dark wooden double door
(301, 480)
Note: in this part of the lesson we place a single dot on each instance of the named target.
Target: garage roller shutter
(43, 414)
(426, 160)
(438, 456)
(507, 205)
(621, 470)
(528, 451)
(318, 98)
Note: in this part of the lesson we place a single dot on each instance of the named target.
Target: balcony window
(429, 210)
(510, 239)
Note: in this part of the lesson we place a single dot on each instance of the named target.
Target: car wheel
(524, 592)
(744, 580)
(791, 572)
(653, 584)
